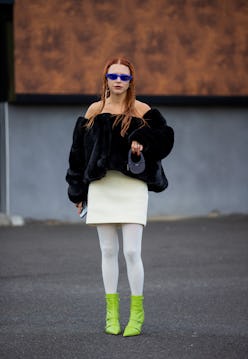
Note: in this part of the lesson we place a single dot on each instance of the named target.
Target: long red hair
(129, 108)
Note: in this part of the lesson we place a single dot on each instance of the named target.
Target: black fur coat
(102, 148)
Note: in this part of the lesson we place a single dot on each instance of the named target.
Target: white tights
(109, 244)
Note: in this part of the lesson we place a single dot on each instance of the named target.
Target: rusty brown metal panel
(179, 47)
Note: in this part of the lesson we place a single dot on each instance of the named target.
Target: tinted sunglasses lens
(125, 77)
(112, 76)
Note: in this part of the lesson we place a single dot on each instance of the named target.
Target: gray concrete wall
(4, 207)
(207, 169)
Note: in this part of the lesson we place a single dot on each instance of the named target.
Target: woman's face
(118, 86)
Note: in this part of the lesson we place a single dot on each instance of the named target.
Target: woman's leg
(109, 244)
(132, 240)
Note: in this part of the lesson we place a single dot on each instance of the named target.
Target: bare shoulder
(92, 109)
(141, 107)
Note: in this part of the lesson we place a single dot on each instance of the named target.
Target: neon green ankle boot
(112, 314)
(136, 318)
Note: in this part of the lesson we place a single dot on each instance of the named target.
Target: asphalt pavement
(196, 292)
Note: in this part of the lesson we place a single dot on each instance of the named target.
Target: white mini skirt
(117, 198)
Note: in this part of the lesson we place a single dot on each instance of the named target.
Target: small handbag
(136, 167)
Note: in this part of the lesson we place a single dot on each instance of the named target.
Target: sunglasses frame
(122, 77)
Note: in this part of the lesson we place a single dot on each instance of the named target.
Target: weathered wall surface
(178, 47)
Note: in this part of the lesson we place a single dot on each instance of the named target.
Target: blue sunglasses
(123, 77)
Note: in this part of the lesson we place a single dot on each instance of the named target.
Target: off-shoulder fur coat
(100, 148)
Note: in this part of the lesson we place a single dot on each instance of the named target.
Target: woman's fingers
(136, 147)
(79, 207)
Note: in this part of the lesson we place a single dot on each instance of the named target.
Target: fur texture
(100, 148)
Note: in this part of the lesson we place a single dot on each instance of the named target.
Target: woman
(99, 175)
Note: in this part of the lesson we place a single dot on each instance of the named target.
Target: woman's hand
(79, 207)
(136, 148)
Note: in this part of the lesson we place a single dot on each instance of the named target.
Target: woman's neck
(115, 104)
(116, 100)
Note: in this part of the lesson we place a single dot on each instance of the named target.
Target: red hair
(129, 109)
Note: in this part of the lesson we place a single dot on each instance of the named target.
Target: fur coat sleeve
(157, 137)
(77, 190)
